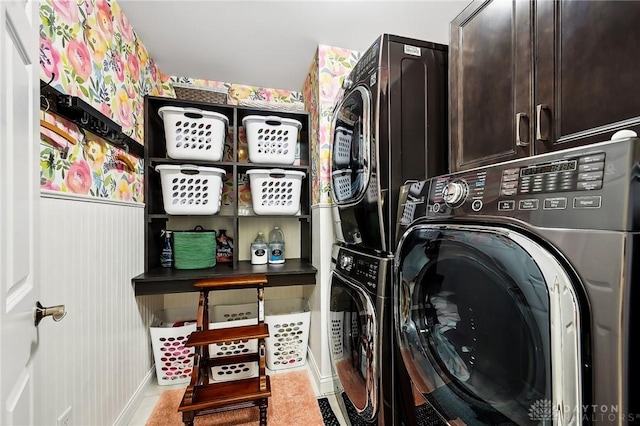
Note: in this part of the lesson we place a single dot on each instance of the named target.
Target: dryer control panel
(368, 62)
(589, 187)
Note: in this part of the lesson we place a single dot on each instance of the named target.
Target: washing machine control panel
(589, 187)
(362, 268)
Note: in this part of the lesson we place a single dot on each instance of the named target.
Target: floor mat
(293, 403)
(354, 418)
(328, 416)
(427, 416)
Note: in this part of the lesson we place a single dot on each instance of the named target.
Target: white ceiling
(272, 43)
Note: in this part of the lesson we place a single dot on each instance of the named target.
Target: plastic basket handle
(189, 170)
(192, 113)
(277, 173)
(272, 120)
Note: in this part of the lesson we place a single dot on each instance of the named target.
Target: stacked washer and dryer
(514, 289)
(389, 126)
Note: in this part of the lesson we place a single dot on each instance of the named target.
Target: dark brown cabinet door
(491, 83)
(587, 71)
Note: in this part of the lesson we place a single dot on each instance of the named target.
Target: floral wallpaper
(88, 49)
(329, 67)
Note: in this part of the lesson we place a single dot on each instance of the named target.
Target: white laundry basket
(191, 190)
(275, 191)
(194, 134)
(271, 139)
(289, 322)
(224, 316)
(174, 361)
(342, 146)
(341, 180)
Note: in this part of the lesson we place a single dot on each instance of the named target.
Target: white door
(19, 204)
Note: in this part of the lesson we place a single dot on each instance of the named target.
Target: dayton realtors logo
(543, 409)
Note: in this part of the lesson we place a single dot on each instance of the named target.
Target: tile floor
(153, 391)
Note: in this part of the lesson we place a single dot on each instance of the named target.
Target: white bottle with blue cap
(276, 246)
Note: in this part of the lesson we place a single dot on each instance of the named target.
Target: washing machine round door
(479, 324)
(353, 342)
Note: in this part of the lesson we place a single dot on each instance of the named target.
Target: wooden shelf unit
(157, 280)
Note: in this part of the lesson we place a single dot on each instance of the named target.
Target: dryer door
(350, 156)
(353, 343)
(354, 186)
(488, 325)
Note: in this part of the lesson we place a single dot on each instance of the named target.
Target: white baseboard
(130, 409)
(322, 385)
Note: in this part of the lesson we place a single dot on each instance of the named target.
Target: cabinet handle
(520, 117)
(539, 135)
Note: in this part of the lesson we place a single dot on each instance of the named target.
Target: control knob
(455, 193)
(346, 262)
(347, 83)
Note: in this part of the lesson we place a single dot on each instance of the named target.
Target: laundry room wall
(99, 356)
(329, 66)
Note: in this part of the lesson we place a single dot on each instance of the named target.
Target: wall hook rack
(88, 118)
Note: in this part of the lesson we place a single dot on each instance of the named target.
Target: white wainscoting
(323, 238)
(99, 356)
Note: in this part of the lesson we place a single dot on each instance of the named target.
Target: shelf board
(230, 216)
(250, 166)
(168, 280)
(277, 216)
(153, 161)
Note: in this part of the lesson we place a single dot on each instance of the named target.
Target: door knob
(56, 312)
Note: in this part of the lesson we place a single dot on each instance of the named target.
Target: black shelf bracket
(88, 118)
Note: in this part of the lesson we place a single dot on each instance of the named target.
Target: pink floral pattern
(329, 67)
(80, 59)
(79, 177)
(89, 49)
(49, 59)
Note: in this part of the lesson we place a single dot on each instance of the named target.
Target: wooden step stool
(202, 397)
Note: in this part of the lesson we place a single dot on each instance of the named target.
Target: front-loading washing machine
(361, 335)
(516, 298)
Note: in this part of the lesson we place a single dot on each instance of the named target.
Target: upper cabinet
(532, 77)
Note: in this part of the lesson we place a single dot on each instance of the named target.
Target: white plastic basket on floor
(174, 362)
(342, 146)
(288, 322)
(336, 332)
(223, 316)
(194, 134)
(271, 139)
(188, 189)
(242, 370)
(341, 180)
(275, 191)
